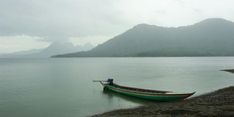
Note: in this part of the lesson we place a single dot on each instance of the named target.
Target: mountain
(53, 49)
(210, 37)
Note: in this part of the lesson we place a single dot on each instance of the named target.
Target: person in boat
(110, 81)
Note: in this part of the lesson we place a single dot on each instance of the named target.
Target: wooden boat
(153, 95)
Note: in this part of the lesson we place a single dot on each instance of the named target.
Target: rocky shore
(219, 103)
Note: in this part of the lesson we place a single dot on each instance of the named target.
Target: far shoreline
(229, 70)
(137, 56)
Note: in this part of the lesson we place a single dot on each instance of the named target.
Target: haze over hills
(52, 49)
(210, 37)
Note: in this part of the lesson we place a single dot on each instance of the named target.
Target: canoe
(153, 95)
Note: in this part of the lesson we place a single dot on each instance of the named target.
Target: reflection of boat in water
(153, 95)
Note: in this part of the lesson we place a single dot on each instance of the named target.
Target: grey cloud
(54, 19)
(57, 18)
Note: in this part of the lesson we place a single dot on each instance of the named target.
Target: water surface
(63, 87)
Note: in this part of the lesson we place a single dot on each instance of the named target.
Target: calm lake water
(63, 87)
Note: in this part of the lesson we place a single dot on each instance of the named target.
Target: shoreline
(217, 103)
(228, 70)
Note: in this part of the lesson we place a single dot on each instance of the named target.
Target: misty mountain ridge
(210, 37)
(53, 49)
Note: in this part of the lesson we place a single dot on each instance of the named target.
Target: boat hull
(161, 97)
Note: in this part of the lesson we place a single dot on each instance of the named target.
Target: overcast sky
(32, 24)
